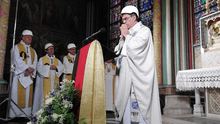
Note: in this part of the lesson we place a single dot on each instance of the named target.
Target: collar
(72, 56)
(50, 57)
(25, 45)
(108, 63)
(135, 27)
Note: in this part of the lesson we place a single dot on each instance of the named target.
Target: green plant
(59, 105)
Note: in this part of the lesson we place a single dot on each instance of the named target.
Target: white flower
(57, 95)
(47, 96)
(66, 106)
(54, 101)
(51, 91)
(64, 80)
(55, 116)
(44, 119)
(65, 103)
(62, 87)
(71, 106)
(61, 121)
(48, 101)
(39, 112)
(29, 122)
(61, 116)
(39, 116)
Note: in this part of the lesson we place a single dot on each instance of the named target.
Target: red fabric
(81, 68)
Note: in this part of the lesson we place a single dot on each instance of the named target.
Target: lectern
(89, 77)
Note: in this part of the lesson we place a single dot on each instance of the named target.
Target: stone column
(176, 35)
(168, 43)
(198, 107)
(182, 35)
(4, 16)
(157, 37)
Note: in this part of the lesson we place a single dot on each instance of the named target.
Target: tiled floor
(185, 119)
(189, 119)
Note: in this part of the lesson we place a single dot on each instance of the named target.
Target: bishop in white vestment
(24, 59)
(137, 95)
(49, 69)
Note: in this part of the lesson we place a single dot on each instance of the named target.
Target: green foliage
(58, 106)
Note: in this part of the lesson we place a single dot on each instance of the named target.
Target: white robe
(68, 67)
(137, 69)
(20, 68)
(44, 71)
(109, 86)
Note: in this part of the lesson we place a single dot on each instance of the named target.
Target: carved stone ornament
(210, 31)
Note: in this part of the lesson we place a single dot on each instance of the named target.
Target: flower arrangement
(59, 105)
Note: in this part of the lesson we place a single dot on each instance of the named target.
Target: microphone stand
(93, 35)
(87, 41)
(90, 39)
(11, 78)
(84, 43)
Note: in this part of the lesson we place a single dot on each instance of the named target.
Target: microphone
(101, 30)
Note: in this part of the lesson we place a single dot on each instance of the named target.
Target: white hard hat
(48, 45)
(71, 45)
(130, 9)
(27, 32)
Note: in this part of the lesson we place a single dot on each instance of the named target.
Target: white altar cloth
(198, 78)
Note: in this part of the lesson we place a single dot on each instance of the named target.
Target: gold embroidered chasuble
(70, 60)
(47, 81)
(21, 89)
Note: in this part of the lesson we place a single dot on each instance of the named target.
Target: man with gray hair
(24, 59)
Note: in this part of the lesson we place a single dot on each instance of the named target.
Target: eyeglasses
(125, 19)
(72, 49)
(50, 49)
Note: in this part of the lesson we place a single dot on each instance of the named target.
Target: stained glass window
(114, 33)
(115, 10)
(200, 11)
(115, 14)
(114, 2)
(145, 5)
(147, 18)
(131, 2)
(213, 9)
(145, 9)
(114, 30)
(199, 5)
(197, 27)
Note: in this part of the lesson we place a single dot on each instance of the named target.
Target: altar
(195, 79)
(198, 78)
(207, 75)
